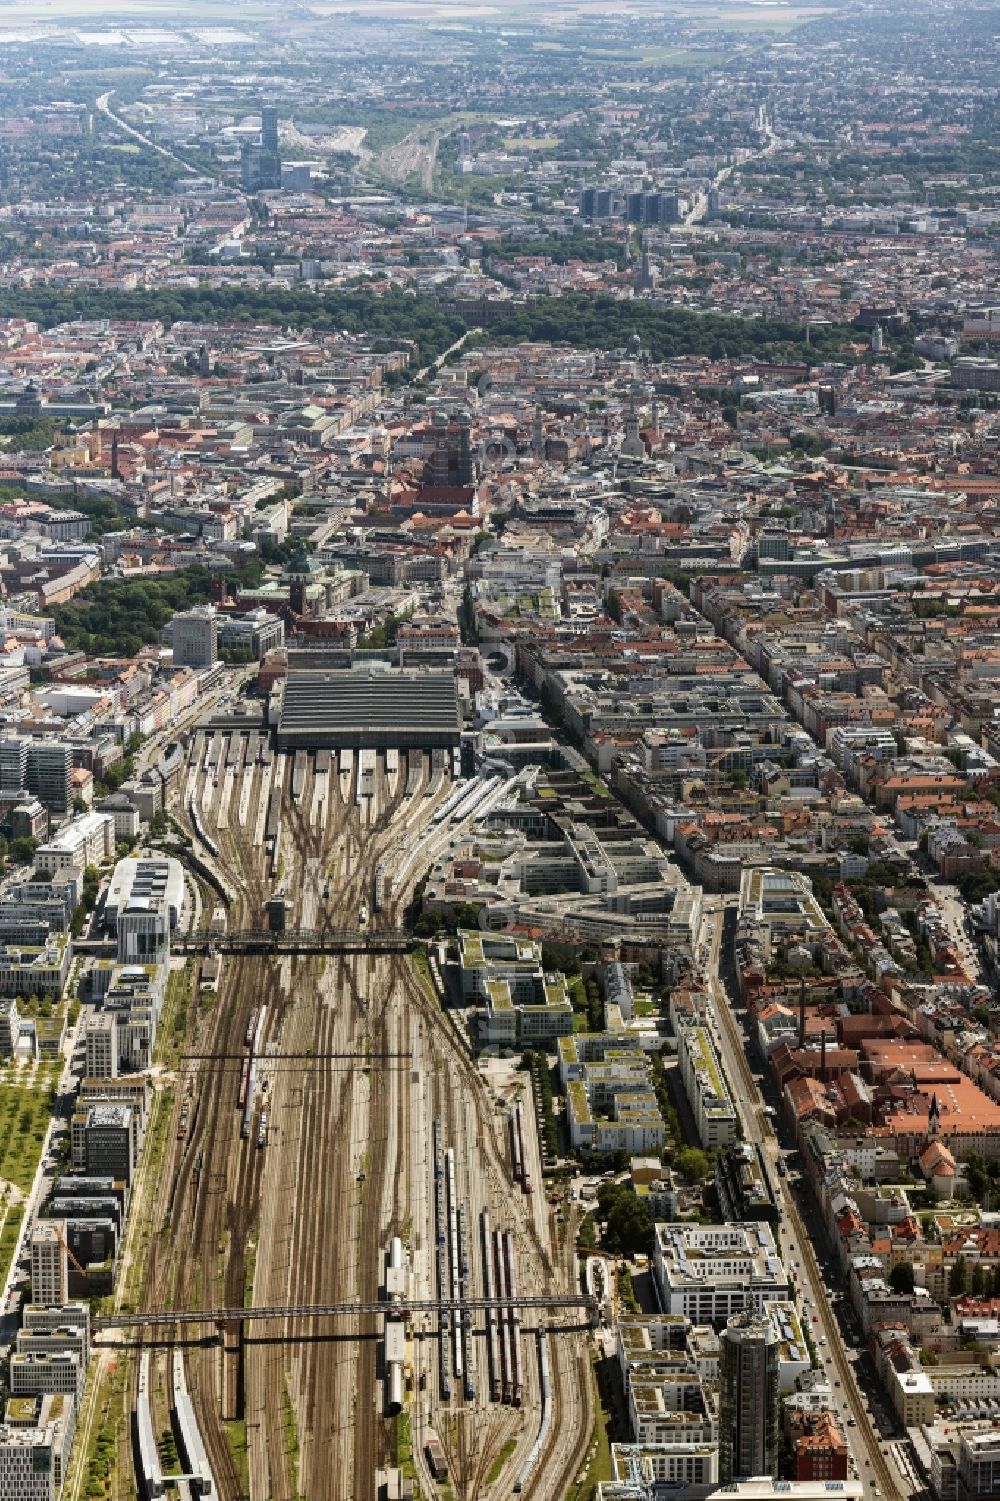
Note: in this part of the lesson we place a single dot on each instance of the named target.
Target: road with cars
(800, 1231)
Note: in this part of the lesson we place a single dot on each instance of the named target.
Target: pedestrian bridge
(295, 941)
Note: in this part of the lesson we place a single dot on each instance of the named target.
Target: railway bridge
(401, 1309)
(295, 941)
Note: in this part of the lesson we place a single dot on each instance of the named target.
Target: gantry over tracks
(296, 941)
(558, 1302)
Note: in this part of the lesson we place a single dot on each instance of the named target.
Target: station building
(369, 708)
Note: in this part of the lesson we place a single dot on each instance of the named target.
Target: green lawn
(8, 1237)
(496, 1468)
(25, 1111)
(598, 1462)
(236, 1438)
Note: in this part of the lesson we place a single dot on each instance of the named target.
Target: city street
(954, 910)
(800, 1232)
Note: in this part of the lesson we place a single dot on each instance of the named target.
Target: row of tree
(117, 617)
(601, 322)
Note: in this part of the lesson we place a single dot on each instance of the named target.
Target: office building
(84, 841)
(194, 635)
(260, 160)
(749, 1352)
(9, 1028)
(64, 1328)
(49, 1270)
(47, 1373)
(48, 773)
(13, 764)
(150, 879)
(143, 931)
(130, 1089)
(35, 1442)
(102, 1046)
(134, 993)
(269, 129)
(108, 1142)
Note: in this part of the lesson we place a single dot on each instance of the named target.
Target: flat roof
(369, 708)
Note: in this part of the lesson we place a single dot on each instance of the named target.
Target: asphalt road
(799, 1235)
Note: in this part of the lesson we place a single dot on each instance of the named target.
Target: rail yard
(333, 1143)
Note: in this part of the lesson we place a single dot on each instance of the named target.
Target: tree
(976, 1176)
(629, 1220)
(465, 916)
(901, 1277)
(428, 925)
(693, 1164)
(91, 886)
(978, 1281)
(23, 850)
(630, 1226)
(958, 1281)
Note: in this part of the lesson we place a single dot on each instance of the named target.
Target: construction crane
(62, 1241)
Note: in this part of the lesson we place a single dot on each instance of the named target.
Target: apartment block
(707, 1092)
(710, 1273)
(610, 1101)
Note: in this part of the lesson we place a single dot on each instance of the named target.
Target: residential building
(712, 1272)
(611, 1105)
(707, 1092)
(523, 1005)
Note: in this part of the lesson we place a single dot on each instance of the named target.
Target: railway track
(295, 1224)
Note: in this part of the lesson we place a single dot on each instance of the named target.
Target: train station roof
(369, 708)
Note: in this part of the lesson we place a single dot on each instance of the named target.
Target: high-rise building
(749, 1351)
(49, 1267)
(49, 773)
(260, 161)
(13, 764)
(195, 637)
(269, 129)
(10, 1028)
(102, 1046)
